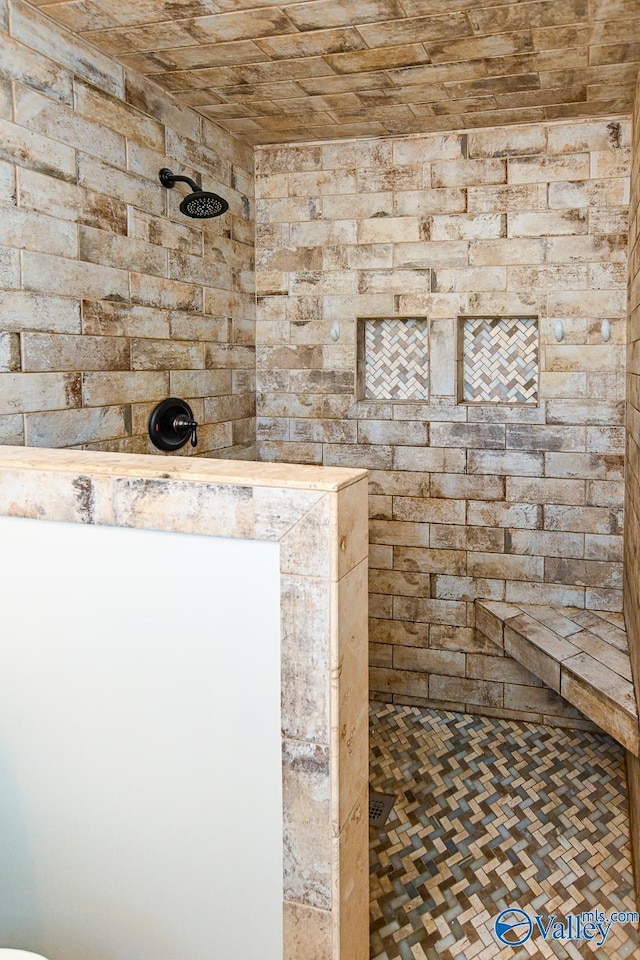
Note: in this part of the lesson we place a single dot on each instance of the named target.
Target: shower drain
(380, 806)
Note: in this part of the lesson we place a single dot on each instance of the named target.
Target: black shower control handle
(172, 424)
(182, 424)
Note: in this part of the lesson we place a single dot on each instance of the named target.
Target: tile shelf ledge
(294, 476)
(581, 654)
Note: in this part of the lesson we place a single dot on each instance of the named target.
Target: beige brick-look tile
(107, 318)
(30, 68)
(423, 203)
(504, 142)
(541, 224)
(36, 152)
(65, 428)
(502, 669)
(52, 196)
(149, 354)
(63, 123)
(24, 311)
(506, 463)
(118, 116)
(431, 510)
(468, 691)
(586, 573)
(105, 389)
(7, 183)
(35, 31)
(505, 567)
(468, 537)
(528, 490)
(538, 648)
(32, 231)
(94, 174)
(461, 487)
(467, 173)
(45, 273)
(12, 430)
(489, 252)
(393, 682)
(42, 352)
(593, 193)
(307, 932)
(490, 625)
(536, 699)
(527, 516)
(573, 166)
(578, 686)
(307, 839)
(599, 520)
(26, 392)
(9, 352)
(545, 544)
(103, 247)
(306, 714)
(350, 695)
(450, 612)
(564, 596)
(468, 588)
(429, 661)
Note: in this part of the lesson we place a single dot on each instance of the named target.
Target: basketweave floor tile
(492, 814)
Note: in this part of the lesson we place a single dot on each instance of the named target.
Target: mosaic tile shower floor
(491, 814)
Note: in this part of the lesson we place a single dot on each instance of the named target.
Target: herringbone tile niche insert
(393, 359)
(498, 360)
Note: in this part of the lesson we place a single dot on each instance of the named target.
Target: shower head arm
(169, 179)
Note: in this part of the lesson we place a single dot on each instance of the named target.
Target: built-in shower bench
(581, 654)
(584, 656)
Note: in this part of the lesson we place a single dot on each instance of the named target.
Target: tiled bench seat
(581, 654)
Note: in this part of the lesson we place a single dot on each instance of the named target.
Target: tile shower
(495, 449)
(110, 299)
(446, 252)
(465, 277)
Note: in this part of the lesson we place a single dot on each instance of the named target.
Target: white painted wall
(140, 764)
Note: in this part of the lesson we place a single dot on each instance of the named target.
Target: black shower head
(200, 204)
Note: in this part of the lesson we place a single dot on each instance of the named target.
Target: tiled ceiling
(329, 69)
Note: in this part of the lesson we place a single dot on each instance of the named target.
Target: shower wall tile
(99, 271)
(632, 502)
(36, 152)
(38, 33)
(306, 798)
(307, 932)
(67, 201)
(510, 501)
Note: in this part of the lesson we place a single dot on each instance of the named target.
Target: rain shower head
(200, 204)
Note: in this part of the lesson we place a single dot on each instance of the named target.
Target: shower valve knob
(172, 424)
(182, 424)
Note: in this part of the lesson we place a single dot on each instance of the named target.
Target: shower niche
(498, 360)
(392, 361)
